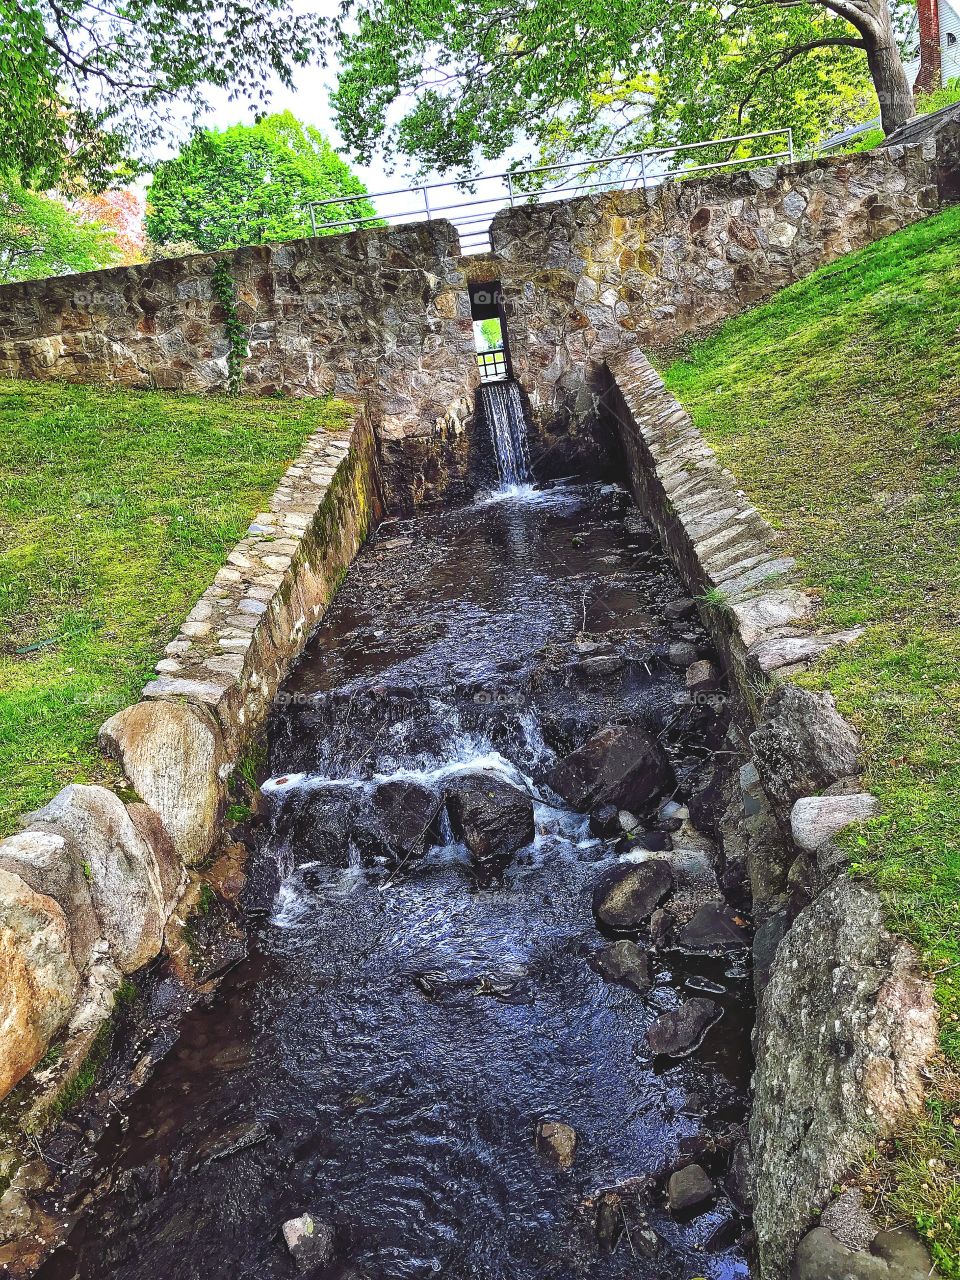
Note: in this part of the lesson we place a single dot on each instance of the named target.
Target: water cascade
(458, 1042)
(502, 407)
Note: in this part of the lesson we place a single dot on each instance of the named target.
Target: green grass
(116, 509)
(837, 405)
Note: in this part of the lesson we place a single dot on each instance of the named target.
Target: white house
(939, 60)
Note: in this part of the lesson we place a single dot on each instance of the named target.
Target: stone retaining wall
(384, 313)
(87, 887)
(846, 1022)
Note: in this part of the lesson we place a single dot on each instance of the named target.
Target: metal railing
(541, 185)
(492, 365)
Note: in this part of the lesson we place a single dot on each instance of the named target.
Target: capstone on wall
(384, 313)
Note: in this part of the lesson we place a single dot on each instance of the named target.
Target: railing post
(790, 143)
(510, 187)
(313, 219)
(426, 203)
(643, 169)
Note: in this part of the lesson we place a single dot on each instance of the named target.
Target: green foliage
(251, 764)
(249, 184)
(223, 287)
(491, 335)
(40, 237)
(117, 508)
(586, 77)
(835, 405)
(84, 83)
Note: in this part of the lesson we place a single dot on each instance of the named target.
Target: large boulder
(491, 816)
(39, 982)
(625, 896)
(844, 1030)
(621, 764)
(174, 758)
(400, 821)
(49, 865)
(894, 1255)
(123, 871)
(802, 745)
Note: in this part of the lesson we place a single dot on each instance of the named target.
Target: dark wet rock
(491, 816)
(623, 1205)
(622, 765)
(677, 610)
(688, 1188)
(626, 963)
(237, 1138)
(400, 822)
(655, 841)
(682, 654)
(605, 821)
(802, 745)
(894, 1255)
(625, 897)
(309, 1241)
(557, 1141)
(679, 1032)
(740, 1178)
(595, 670)
(714, 928)
(709, 799)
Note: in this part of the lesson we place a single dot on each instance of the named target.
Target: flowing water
(409, 1014)
(501, 405)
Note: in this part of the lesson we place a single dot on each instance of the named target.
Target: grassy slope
(837, 405)
(116, 510)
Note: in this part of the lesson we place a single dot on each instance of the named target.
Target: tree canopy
(86, 83)
(452, 83)
(249, 184)
(40, 236)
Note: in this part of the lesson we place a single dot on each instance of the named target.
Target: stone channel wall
(87, 887)
(845, 1021)
(384, 314)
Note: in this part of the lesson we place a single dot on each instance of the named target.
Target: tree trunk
(887, 70)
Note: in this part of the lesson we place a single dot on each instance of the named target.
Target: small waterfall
(503, 410)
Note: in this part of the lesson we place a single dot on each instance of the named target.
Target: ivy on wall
(225, 289)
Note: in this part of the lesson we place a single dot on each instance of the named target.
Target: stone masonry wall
(845, 1021)
(384, 315)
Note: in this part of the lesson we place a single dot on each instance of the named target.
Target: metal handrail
(510, 180)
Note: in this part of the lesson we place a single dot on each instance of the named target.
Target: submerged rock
(605, 821)
(679, 1032)
(558, 1141)
(714, 928)
(625, 897)
(689, 1187)
(309, 1241)
(491, 816)
(401, 821)
(626, 963)
(621, 764)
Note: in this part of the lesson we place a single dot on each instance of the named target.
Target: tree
(121, 212)
(84, 83)
(40, 237)
(596, 76)
(250, 184)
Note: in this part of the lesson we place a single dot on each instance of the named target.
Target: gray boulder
(621, 764)
(626, 963)
(624, 897)
(802, 745)
(688, 1188)
(45, 861)
(309, 1241)
(844, 1030)
(678, 1033)
(894, 1255)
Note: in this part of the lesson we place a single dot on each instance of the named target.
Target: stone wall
(845, 1021)
(87, 887)
(384, 314)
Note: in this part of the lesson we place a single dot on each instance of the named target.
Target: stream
(427, 985)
